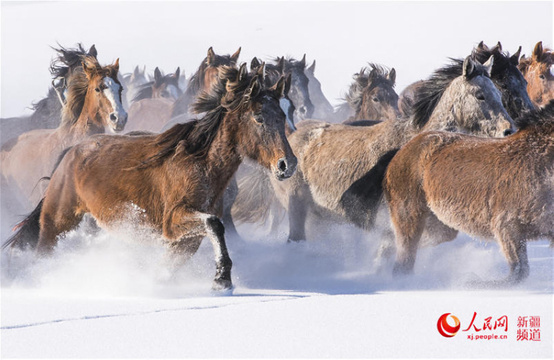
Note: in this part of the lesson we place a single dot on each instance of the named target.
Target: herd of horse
(469, 149)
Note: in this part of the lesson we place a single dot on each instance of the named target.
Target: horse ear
(254, 64)
(498, 46)
(261, 71)
(281, 65)
(392, 76)
(303, 61)
(136, 72)
(488, 65)
(92, 51)
(210, 59)
(116, 65)
(468, 67)
(177, 72)
(157, 76)
(242, 72)
(537, 52)
(279, 88)
(235, 56)
(253, 89)
(288, 82)
(312, 68)
(514, 59)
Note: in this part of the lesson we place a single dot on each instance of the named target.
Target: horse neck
(224, 157)
(88, 123)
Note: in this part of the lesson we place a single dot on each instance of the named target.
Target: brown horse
(341, 167)
(371, 96)
(153, 103)
(488, 188)
(177, 178)
(538, 72)
(93, 105)
(202, 80)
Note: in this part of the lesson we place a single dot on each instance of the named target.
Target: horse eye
(480, 96)
(259, 118)
(97, 89)
(376, 99)
(542, 76)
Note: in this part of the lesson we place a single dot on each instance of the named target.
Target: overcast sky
(413, 37)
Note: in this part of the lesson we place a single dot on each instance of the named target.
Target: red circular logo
(445, 329)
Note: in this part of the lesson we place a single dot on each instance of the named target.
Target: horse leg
(408, 222)
(298, 211)
(185, 227)
(55, 219)
(229, 197)
(436, 232)
(515, 251)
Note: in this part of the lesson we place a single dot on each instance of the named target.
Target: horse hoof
(296, 241)
(222, 286)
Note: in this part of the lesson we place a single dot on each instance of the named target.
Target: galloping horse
(341, 167)
(93, 105)
(202, 80)
(371, 96)
(177, 178)
(488, 188)
(153, 103)
(539, 74)
(48, 111)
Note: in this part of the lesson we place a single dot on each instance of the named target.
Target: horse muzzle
(285, 167)
(118, 120)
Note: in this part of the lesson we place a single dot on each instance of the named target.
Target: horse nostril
(282, 165)
(508, 132)
(113, 117)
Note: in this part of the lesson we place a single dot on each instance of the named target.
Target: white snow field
(112, 295)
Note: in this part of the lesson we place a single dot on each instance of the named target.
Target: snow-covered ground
(112, 294)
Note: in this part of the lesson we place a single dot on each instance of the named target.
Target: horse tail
(255, 197)
(27, 231)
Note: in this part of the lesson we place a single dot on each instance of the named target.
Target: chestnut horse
(341, 167)
(153, 103)
(202, 80)
(93, 106)
(177, 178)
(48, 111)
(488, 188)
(538, 72)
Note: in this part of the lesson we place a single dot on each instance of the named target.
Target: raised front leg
(184, 229)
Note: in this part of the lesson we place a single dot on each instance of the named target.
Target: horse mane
(144, 92)
(501, 59)
(541, 119)
(428, 95)
(67, 60)
(195, 138)
(77, 86)
(196, 81)
(366, 80)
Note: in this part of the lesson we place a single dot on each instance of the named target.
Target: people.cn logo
(445, 329)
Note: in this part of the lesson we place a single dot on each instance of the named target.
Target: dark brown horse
(205, 76)
(177, 178)
(93, 106)
(538, 72)
(371, 96)
(163, 86)
(488, 188)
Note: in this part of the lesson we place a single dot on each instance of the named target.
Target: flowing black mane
(428, 95)
(69, 59)
(196, 81)
(501, 63)
(195, 138)
(366, 80)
